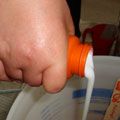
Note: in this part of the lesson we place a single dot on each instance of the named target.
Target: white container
(35, 104)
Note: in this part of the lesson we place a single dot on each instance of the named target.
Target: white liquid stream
(89, 74)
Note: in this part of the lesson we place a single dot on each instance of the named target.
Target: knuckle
(28, 52)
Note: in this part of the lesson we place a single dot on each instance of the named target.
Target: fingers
(32, 77)
(13, 72)
(3, 76)
(54, 78)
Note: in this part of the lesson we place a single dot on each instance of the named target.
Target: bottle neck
(77, 55)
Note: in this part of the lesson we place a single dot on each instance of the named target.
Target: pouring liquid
(89, 74)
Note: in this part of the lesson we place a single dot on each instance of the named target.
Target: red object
(101, 45)
(118, 86)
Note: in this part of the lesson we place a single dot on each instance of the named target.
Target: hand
(33, 42)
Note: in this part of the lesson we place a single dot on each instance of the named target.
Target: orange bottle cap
(77, 55)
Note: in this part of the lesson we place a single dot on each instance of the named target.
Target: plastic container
(107, 72)
(35, 104)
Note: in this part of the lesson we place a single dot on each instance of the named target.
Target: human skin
(33, 42)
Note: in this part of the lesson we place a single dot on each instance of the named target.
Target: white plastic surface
(35, 104)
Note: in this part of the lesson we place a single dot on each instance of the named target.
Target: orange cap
(77, 55)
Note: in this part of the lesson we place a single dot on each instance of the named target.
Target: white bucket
(35, 104)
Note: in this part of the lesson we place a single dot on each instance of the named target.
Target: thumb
(54, 78)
